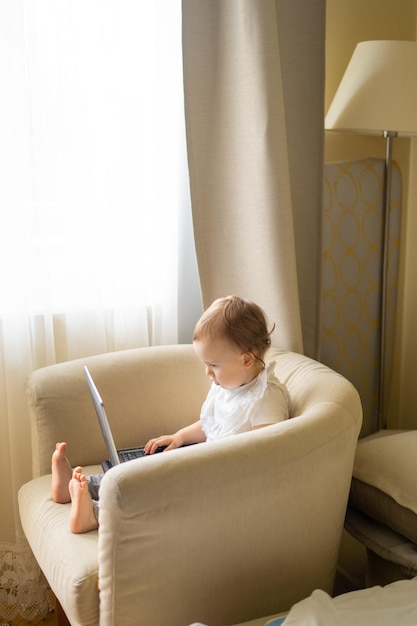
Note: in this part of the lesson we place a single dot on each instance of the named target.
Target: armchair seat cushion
(71, 559)
(384, 483)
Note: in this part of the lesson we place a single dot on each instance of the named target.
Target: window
(93, 152)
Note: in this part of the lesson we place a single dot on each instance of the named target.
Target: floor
(49, 620)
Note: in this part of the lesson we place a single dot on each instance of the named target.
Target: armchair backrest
(146, 391)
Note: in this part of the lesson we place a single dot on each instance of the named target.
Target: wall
(347, 23)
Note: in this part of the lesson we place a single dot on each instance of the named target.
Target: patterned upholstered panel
(351, 275)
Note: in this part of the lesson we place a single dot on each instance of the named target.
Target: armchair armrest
(227, 530)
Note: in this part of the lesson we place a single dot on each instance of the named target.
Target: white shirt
(231, 411)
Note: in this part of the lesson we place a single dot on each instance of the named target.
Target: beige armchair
(218, 533)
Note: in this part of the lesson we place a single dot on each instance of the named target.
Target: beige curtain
(254, 83)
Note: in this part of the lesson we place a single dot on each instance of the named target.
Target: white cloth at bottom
(392, 605)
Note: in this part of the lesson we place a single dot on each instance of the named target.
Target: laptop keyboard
(129, 455)
(135, 453)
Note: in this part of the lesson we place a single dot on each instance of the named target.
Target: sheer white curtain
(92, 170)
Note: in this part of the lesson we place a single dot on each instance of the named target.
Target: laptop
(116, 456)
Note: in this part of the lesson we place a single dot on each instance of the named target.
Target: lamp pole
(389, 135)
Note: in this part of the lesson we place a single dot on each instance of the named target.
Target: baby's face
(225, 363)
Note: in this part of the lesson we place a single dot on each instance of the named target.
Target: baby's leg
(82, 517)
(61, 475)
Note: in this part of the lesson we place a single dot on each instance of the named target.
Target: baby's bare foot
(82, 518)
(61, 475)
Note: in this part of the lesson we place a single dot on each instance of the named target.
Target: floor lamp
(378, 96)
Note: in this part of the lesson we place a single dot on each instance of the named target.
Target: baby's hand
(168, 441)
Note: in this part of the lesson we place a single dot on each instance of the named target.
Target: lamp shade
(378, 91)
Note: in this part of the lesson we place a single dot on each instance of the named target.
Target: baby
(231, 340)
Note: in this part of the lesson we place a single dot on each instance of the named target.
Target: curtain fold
(255, 153)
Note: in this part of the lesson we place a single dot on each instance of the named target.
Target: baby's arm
(190, 434)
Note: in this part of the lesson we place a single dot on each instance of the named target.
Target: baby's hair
(240, 321)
